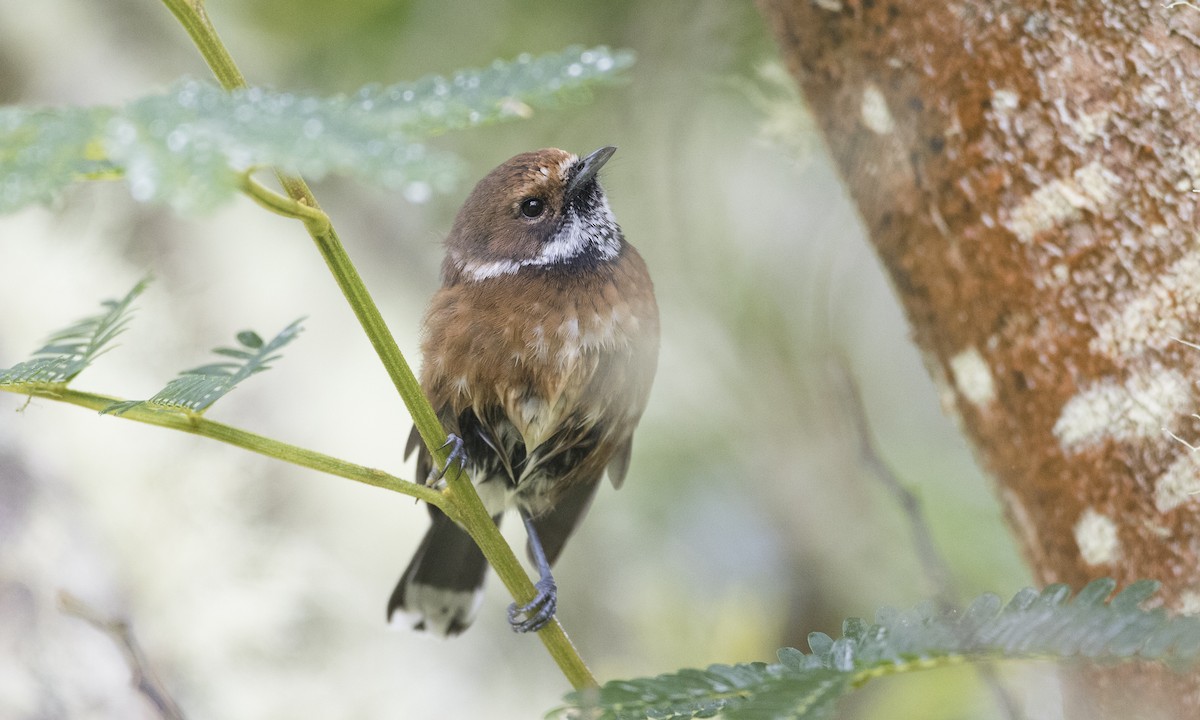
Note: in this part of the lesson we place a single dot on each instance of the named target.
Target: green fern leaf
(190, 146)
(70, 350)
(197, 389)
(807, 685)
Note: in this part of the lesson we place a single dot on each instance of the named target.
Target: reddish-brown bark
(1025, 170)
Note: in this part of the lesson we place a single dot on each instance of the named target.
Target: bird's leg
(532, 616)
(458, 454)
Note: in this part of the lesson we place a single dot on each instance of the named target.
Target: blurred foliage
(402, 35)
(806, 686)
(191, 145)
(786, 122)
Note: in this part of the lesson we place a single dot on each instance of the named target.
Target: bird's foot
(458, 454)
(534, 615)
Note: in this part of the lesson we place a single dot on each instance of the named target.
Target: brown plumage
(539, 352)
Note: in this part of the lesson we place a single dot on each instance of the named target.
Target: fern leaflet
(807, 685)
(197, 389)
(70, 350)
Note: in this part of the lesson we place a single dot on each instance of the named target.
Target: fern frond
(197, 389)
(191, 146)
(1046, 624)
(70, 350)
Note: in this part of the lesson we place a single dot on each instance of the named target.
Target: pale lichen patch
(1189, 156)
(1163, 310)
(1179, 483)
(1096, 536)
(1004, 101)
(1089, 126)
(1160, 531)
(875, 113)
(1137, 408)
(1089, 188)
(973, 377)
(1189, 603)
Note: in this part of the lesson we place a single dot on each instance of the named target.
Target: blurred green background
(258, 589)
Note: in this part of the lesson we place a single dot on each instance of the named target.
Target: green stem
(192, 16)
(314, 218)
(199, 425)
(351, 284)
(478, 523)
(463, 502)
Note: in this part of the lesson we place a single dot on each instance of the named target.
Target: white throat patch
(575, 238)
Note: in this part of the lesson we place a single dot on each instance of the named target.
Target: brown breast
(547, 345)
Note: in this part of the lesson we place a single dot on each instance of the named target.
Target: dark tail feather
(556, 525)
(443, 586)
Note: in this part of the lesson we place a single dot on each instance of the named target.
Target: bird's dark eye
(532, 207)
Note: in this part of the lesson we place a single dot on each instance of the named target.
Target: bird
(538, 353)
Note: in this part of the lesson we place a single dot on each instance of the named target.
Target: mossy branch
(460, 500)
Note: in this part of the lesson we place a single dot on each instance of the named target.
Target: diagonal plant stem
(175, 419)
(936, 567)
(194, 19)
(460, 493)
(143, 676)
(933, 563)
(472, 516)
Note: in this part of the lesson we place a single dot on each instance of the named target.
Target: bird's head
(539, 209)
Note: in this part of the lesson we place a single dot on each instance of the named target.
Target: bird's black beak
(588, 169)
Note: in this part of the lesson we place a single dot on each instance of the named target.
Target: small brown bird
(539, 352)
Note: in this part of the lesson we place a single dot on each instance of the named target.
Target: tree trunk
(1025, 169)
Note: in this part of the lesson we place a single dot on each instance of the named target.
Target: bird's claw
(534, 615)
(458, 454)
